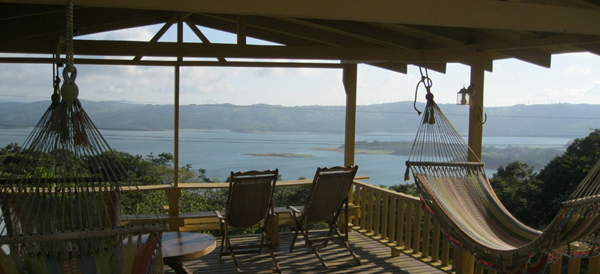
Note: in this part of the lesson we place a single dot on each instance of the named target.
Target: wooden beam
(554, 41)
(200, 35)
(85, 61)
(160, 33)
(167, 49)
(483, 14)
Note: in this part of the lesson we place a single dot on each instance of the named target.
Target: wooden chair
(250, 203)
(327, 197)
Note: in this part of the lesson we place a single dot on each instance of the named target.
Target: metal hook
(484, 120)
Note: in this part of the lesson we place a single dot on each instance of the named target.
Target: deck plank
(374, 258)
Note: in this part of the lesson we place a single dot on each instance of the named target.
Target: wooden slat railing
(400, 221)
(394, 219)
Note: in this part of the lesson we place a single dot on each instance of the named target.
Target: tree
(564, 173)
(519, 191)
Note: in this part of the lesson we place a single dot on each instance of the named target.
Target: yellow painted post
(392, 220)
(457, 260)
(350, 75)
(174, 194)
(491, 271)
(384, 217)
(400, 222)
(445, 252)
(435, 245)
(377, 222)
(408, 229)
(476, 113)
(363, 208)
(594, 265)
(273, 229)
(574, 265)
(556, 267)
(417, 229)
(370, 212)
(426, 235)
(478, 269)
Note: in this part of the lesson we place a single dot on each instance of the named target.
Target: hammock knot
(429, 97)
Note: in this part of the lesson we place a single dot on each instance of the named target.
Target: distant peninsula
(280, 154)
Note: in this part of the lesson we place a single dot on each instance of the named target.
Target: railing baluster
(363, 207)
(384, 222)
(574, 265)
(478, 269)
(594, 265)
(435, 250)
(369, 212)
(445, 252)
(417, 229)
(392, 220)
(556, 267)
(426, 235)
(408, 228)
(400, 222)
(356, 203)
(377, 214)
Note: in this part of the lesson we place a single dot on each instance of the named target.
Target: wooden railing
(400, 222)
(394, 219)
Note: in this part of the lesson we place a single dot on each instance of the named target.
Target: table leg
(179, 268)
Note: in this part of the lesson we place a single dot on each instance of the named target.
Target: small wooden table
(182, 246)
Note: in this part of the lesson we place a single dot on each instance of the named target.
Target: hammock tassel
(407, 173)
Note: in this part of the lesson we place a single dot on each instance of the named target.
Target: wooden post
(574, 265)
(377, 220)
(408, 230)
(556, 267)
(350, 80)
(417, 229)
(476, 114)
(465, 263)
(384, 217)
(241, 30)
(175, 193)
(400, 223)
(273, 229)
(594, 265)
(435, 251)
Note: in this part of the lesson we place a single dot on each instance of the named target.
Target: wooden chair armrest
(219, 215)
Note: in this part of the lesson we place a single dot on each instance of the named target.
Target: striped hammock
(60, 202)
(455, 189)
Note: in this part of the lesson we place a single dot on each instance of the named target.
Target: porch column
(349, 79)
(175, 192)
(463, 262)
(476, 114)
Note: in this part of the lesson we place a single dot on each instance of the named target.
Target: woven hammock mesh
(454, 188)
(63, 195)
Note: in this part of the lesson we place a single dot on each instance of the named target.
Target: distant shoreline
(280, 154)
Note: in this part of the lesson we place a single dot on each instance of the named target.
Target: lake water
(220, 152)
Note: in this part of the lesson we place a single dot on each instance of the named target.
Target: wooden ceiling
(386, 33)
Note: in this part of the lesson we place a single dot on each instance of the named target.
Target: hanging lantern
(464, 96)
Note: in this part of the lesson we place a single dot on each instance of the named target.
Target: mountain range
(399, 117)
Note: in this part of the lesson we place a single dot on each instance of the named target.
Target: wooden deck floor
(374, 258)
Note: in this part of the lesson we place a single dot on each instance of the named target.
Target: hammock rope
(60, 198)
(454, 188)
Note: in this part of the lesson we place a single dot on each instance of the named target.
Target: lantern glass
(463, 97)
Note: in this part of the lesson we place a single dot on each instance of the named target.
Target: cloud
(576, 70)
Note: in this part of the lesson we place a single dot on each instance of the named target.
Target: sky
(573, 78)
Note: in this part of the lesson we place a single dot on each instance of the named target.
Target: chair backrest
(329, 189)
(250, 195)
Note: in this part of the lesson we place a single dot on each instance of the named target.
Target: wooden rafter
(466, 14)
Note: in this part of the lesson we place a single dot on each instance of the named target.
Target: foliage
(518, 188)
(562, 175)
